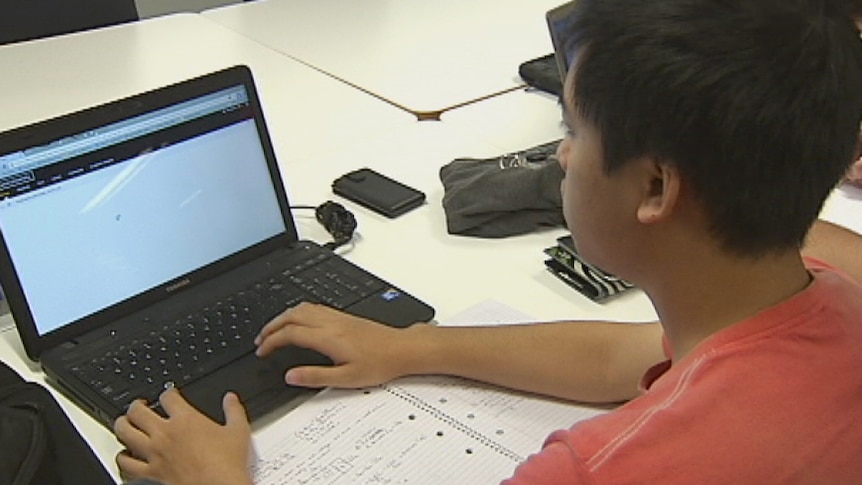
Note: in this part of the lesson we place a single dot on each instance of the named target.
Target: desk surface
(452, 273)
(311, 112)
(844, 207)
(423, 56)
(512, 121)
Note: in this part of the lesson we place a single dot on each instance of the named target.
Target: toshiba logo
(179, 284)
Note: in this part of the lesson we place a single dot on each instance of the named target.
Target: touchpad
(259, 382)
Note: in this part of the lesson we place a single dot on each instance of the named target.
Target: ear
(662, 185)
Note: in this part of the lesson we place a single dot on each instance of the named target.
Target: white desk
(424, 56)
(310, 111)
(451, 272)
(512, 121)
(844, 207)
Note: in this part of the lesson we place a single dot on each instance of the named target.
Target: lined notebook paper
(417, 430)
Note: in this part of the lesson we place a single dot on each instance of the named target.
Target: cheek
(585, 209)
(572, 195)
(566, 157)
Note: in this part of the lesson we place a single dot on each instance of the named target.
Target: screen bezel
(552, 17)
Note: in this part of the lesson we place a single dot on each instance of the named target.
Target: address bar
(121, 132)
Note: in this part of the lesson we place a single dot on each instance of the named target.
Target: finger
(292, 315)
(130, 467)
(142, 417)
(272, 326)
(131, 437)
(234, 412)
(323, 376)
(307, 337)
(174, 403)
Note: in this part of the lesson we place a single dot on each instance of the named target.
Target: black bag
(38, 443)
(503, 196)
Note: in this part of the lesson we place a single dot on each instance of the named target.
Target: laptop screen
(122, 208)
(559, 23)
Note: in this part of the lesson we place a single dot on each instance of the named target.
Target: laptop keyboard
(178, 351)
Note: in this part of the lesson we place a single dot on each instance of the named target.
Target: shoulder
(782, 376)
(832, 300)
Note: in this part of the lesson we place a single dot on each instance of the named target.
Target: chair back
(32, 19)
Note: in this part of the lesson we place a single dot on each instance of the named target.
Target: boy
(704, 136)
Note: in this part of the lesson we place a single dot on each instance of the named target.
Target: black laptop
(146, 241)
(548, 72)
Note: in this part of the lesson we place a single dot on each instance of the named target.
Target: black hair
(854, 7)
(757, 102)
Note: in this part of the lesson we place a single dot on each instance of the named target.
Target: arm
(585, 361)
(581, 361)
(836, 246)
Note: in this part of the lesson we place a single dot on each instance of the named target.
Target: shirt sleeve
(557, 464)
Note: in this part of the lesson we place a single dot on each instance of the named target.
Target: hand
(364, 352)
(186, 447)
(854, 175)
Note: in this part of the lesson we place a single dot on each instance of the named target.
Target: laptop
(145, 242)
(548, 72)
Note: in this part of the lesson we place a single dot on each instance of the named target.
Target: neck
(694, 301)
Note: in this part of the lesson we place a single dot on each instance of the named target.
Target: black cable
(338, 222)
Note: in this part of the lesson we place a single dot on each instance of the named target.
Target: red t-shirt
(776, 398)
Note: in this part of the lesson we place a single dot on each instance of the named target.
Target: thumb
(234, 411)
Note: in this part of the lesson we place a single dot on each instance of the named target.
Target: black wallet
(566, 264)
(542, 73)
(377, 192)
